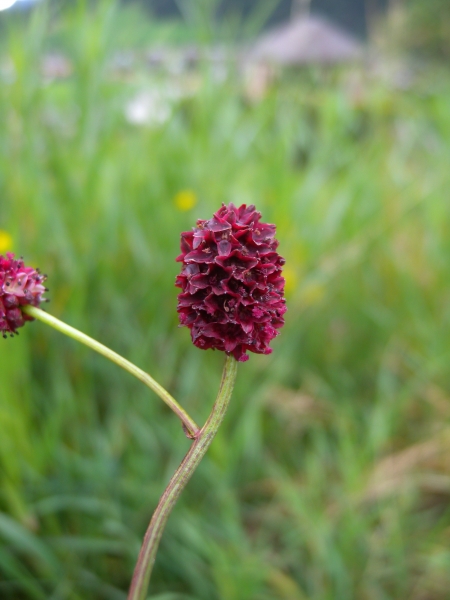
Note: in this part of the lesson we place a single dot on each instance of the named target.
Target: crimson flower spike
(232, 287)
(20, 286)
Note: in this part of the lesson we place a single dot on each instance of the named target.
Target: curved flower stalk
(189, 425)
(181, 477)
(21, 293)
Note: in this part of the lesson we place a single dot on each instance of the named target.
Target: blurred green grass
(330, 478)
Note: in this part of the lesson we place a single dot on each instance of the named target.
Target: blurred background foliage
(330, 478)
(423, 28)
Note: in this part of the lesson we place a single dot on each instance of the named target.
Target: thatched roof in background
(306, 40)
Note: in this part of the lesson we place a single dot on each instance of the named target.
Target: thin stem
(144, 565)
(191, 428)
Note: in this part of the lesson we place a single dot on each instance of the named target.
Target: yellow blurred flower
(291, 277)
(5, 241)
(185, 200)
(312, 293)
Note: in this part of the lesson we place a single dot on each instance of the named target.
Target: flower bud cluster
(19, 286)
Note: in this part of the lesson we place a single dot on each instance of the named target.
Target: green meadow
(330, 477)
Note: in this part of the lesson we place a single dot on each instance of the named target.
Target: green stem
(144, 565)
(191, 428)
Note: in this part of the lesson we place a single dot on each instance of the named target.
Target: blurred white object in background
(153, 106)
(5, 4)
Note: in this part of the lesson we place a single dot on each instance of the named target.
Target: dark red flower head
(232, 296)
(19, 286)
